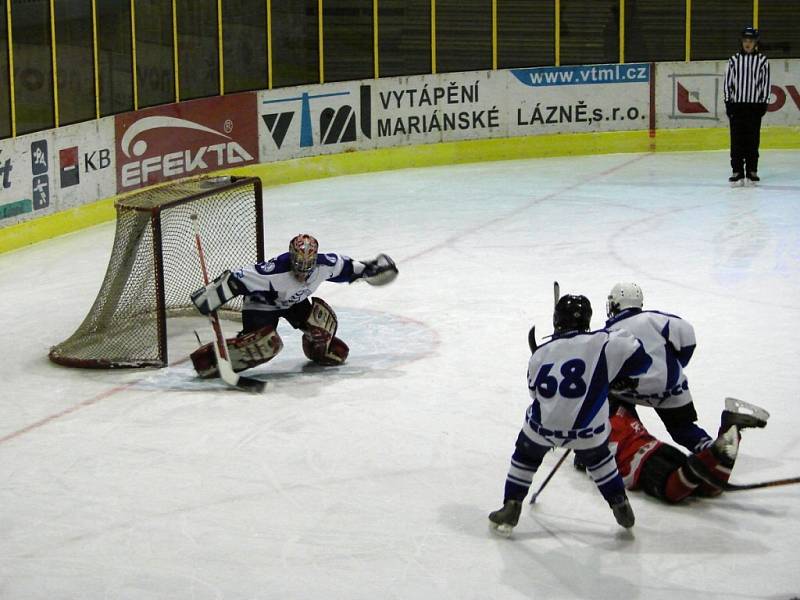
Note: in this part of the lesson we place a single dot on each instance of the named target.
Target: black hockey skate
(736, 179)
(623, 512)
(742, 414)
(504, 520)
(753, 177)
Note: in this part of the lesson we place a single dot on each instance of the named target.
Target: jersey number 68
(572, 384)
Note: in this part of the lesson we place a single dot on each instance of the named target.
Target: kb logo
(336, 124)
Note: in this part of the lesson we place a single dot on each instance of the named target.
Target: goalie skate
(743, 414)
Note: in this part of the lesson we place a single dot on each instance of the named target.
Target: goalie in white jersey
(569, 379)
(281, 288)
(670, 341)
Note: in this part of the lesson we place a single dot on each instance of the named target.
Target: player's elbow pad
(209, 298)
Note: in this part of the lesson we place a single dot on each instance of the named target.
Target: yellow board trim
(269, 44)
(96, 59)
(755, 14)
(176, 67)
(321, 42)
(558, 33)
(688, 32)
(433, 36)
(494, 34)
(54, 59)
(10, 28)
(375, 39)
(220, 50)
(133, 57)
(385, 159)
(622, 31)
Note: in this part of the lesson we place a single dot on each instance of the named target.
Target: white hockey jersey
(670, 341)
(568, 379)
(272, 285)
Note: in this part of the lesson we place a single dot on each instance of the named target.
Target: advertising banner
(45, 172)
(440, 108)
(692, 94)
(181, 140)
(579, 99)
(314, 119)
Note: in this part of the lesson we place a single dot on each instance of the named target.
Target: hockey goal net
(154, 267)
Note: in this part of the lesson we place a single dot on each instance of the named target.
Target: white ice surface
(375, 480)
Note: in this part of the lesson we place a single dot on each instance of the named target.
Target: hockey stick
(532, 344)
(550, 476)
(226, 371)
(734, 487)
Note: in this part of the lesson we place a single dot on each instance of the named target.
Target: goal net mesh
(154, 267)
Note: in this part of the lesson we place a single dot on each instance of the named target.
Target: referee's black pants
(745, 122)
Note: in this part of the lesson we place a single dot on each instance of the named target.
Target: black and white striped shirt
(747, 78)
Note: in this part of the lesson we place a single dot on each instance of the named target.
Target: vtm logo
(186, 139)
(336, 124)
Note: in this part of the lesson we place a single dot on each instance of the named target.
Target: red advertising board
(180, 140)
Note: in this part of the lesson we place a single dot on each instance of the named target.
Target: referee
(746, 97)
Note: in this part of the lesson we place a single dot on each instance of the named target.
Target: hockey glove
(225, 287)
(379, 271)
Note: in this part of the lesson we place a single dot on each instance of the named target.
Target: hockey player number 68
(572, 384)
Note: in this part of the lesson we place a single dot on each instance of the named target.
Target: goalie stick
(226, 371)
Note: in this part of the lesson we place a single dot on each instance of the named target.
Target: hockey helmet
(303, 251)
(624, 295)
(750, 33)
(572, 313)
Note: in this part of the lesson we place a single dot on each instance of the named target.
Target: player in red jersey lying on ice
(665, 472)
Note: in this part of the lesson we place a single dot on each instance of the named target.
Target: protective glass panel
(75, 61)
(33, 79)
(404, 37)
(779, 23)
(295, 52)
(463, 35)
(525, 33)
(114, 48)
(348, 39)
(589, 31)
(155, 65)
(198, 52)
(244, 44)
(717, 26)
(655, 30)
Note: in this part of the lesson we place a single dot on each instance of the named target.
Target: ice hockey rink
(374, 480)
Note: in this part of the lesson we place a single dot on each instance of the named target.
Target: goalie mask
(623, 296)
(303, 251)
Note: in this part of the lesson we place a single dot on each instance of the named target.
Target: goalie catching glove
(224, 288)
(379, 271)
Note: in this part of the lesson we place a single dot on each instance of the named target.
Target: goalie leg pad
(334, 354)
(246, 351)
(320, 343)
